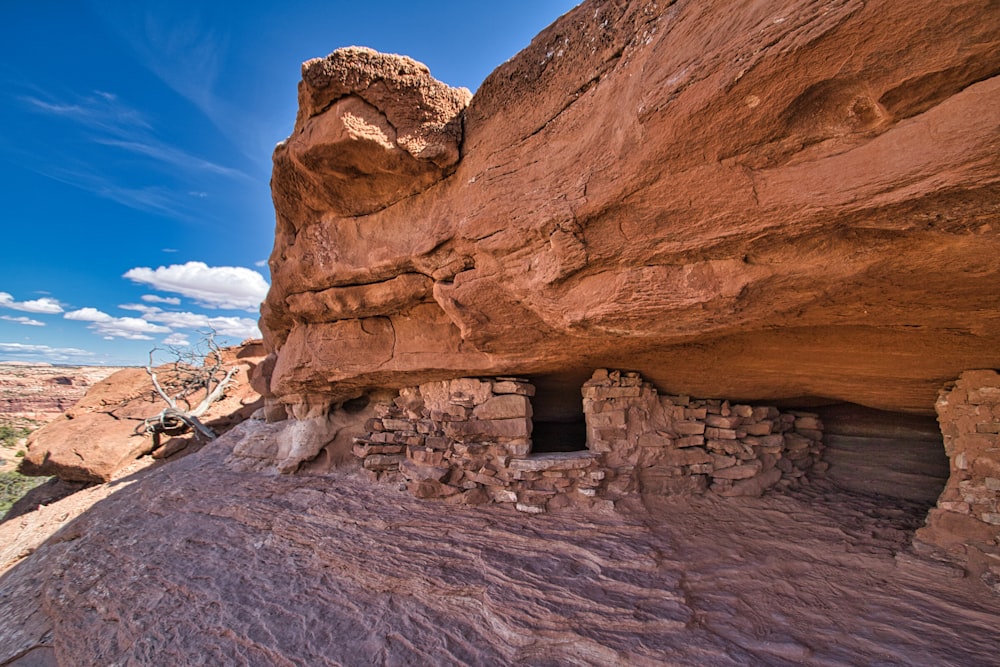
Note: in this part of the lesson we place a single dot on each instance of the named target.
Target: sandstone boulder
(763, 201)
(97, 436)
(89, 448)
(372, 129)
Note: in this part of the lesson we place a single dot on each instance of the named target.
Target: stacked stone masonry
(470, 440)
(969, 414)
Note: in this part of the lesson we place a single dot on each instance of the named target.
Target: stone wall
(678, 444)
(966, 521)
(469, 440)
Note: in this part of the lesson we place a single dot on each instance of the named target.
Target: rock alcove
(718, 204)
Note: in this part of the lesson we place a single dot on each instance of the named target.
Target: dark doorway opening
(558, 421)
(889, 454)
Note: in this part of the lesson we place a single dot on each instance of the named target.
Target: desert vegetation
(14, 485)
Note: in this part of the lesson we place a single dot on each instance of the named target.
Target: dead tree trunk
(184, 378)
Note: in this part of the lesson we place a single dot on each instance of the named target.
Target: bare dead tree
(190, 372)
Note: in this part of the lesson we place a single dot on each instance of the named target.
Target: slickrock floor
(192, 564)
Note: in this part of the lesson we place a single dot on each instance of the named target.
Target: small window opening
(559, 436)
(558, 422)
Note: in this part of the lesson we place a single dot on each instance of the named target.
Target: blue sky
(136, 152)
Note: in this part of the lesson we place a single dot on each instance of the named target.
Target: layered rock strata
(42, 393)
(766, 201)
(470, 440)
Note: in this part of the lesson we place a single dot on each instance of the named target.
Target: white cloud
(237, 327)
(140, 308)
(169, 300)
(177, 340)
(129, 328)
(23, 320)
(260, 262)
(233, 287)
(45, 305)
(88, 315)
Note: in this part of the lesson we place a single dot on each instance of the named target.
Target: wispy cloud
(23, 320)
(153, 298)
(98, 111)
(106, 121)
(120, 126)
(45, 305)
(150, 199)
(30, 352)
(184, 54)
(177, 45)
(173, 156)
(233, 287)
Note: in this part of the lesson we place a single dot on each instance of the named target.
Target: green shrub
(13, 486)
(10, 434)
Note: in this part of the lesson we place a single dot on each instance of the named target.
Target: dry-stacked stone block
(966, 521)
(470, 439)
(678, 444)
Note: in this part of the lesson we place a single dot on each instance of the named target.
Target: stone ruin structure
(471, 439)
(768, 204)
(966, 520)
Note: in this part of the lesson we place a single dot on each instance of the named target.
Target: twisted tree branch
(185, 377)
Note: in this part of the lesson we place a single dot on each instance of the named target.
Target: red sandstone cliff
(762, 202)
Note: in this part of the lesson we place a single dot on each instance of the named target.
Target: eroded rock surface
(372, 129)
(759, 202)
